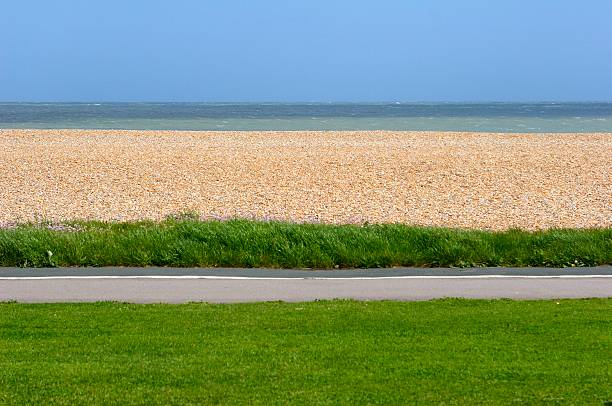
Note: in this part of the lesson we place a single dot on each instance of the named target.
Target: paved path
(171, 285)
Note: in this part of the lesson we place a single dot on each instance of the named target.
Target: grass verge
(331, 352)
(242, 243)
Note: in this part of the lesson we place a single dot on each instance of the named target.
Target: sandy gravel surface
(475, 180)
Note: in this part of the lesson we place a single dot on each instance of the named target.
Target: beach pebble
(466, 180)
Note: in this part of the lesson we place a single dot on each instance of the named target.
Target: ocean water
(486, 117)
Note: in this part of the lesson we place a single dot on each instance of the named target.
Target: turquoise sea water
(498, 117)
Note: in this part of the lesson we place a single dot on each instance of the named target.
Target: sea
(539, 117)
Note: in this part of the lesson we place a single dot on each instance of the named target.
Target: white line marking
(214, 277)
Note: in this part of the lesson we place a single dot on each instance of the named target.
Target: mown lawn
(329, 352)
(241, 243)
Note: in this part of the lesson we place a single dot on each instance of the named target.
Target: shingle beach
(466, 180)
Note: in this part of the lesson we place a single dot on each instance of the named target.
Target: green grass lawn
(329, 352)
(241, 243)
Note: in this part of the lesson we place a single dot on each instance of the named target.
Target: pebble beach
(492, 181)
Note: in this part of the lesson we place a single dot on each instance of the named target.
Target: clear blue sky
(308, 50)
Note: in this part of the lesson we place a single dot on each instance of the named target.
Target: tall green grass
(242, 243)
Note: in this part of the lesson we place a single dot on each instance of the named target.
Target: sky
(308, 50)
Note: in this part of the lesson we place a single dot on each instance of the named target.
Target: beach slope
(465, 180)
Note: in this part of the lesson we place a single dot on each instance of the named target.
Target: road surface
(172, 285)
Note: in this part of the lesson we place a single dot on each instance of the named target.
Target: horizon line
(302, 101)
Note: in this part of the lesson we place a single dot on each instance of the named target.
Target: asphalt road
(171, 285)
